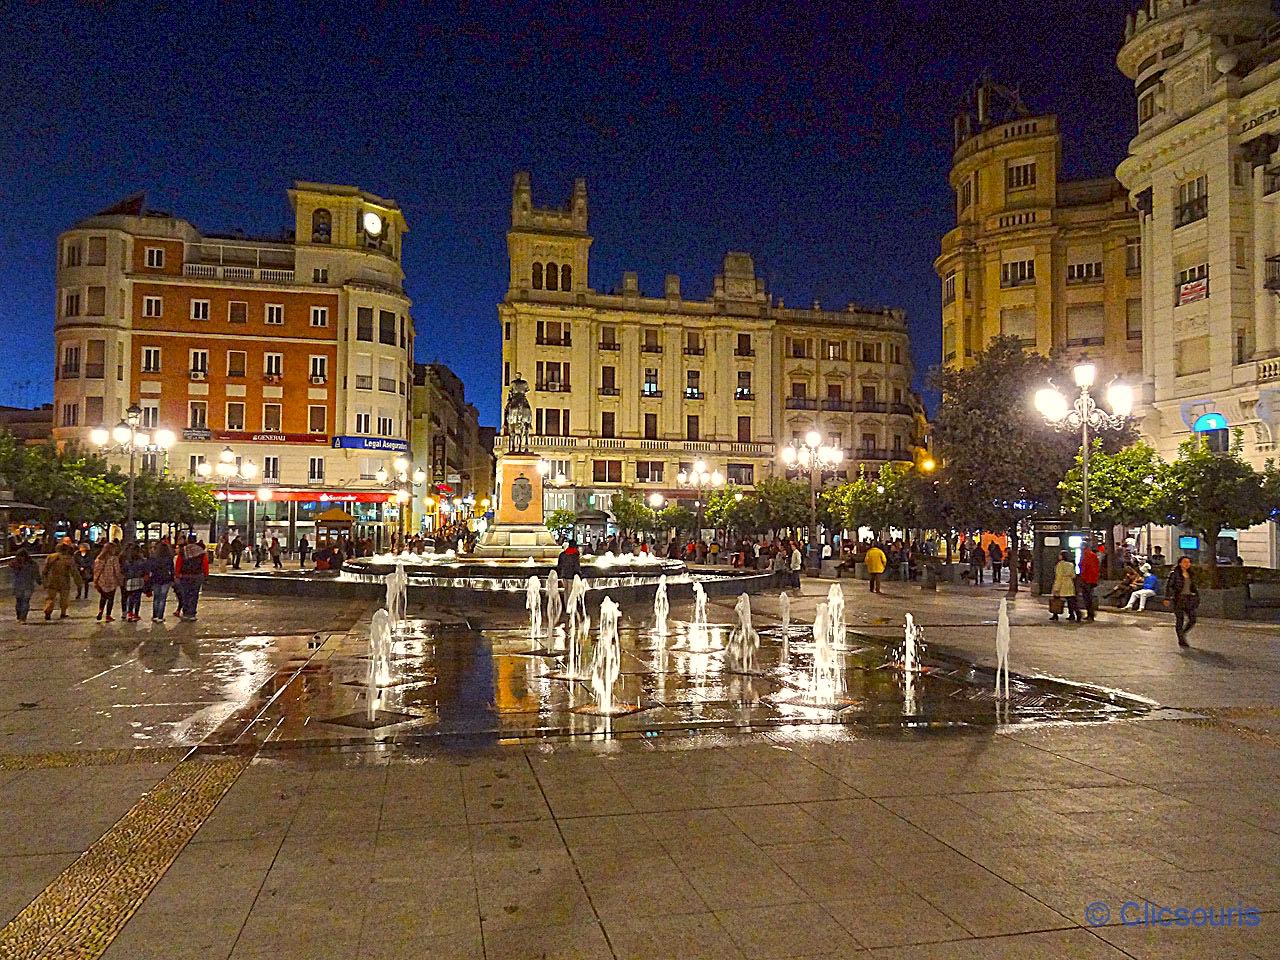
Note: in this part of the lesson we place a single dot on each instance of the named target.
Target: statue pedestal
(518, 530)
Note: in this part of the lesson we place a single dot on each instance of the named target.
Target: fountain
(397, 594)
(744, 642)
(827, 680)
(912, 647)
(835, 613)
(533, 603)
(606, 665)
(661, 606)
(784, 614)
(555, 604)
(698, 635)
(379, 660)
(1002, 651)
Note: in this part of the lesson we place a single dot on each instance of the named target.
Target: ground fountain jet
(379, 660)
(835, 614)
(744, 642)
(827, 681)
(912, 647)
(606, 665)
(397, 595)
(661, 606)
(554, 605)
(784, 614)
(533, 603)
(698, 635)
(1002, 651)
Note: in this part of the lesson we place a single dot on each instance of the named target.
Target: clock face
(372, 223)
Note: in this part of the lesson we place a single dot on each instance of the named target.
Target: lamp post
(700, 478)
(227, 470)
(1084, 414)
(125, 437)
(811, 457)
(406, 478)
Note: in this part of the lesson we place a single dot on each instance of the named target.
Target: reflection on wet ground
(492, 684)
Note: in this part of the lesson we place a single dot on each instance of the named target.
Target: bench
(1264, 594)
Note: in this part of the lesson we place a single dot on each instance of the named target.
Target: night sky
(816, 136)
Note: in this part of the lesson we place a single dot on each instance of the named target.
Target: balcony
(744, 352)
(1007, 282)
(94, 371)
(646, 392)
(212, 271)
(837, 405)
(1272, 279)
(562, 341)
(387, 384)
(650, 348)
(273, 377)
(1269, 370)
(871, 406)
(70, 372)
(693, 393)
(552, 386)
(743, 393)
(802, 403)
(650, 446)
(1190, 212)
(609, 345)
(364, 381)
(1086, 341)
(877, 453)
(695, 351)
(609, 391)
(901, 408)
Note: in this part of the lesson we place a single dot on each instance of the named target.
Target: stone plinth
(518, 530)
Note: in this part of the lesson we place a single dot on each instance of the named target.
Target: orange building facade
(296, 352)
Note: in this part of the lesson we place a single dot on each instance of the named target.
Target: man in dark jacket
(191, 570)
(569, 563)
(1180, 590)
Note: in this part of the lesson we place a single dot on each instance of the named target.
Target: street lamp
(406, 478)
(125, 437)
(227, 470)
(700, 478)
(1084, 414)
(811, 457)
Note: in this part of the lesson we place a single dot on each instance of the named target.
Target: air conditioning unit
(319, 379)
(272, 377)
(199, 374)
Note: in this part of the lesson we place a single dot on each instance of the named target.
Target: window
(271, 416)
(552, 376)
(744, 429)
(151, 307)
(275, 314)
(835, 391)
(693, 344)
(72, 255)
(364, 324)
(193, 463)
(155, 258)
(97, 303)
(1090, 272)
(1015, 273)
(566, 277)
(608, 381)
(691, 426)
(799, 348)
(236, 363)
(742, 474)
(319, 369)
(320, 275)
(1086, 325)
(150, 414)
(317, 418)
(315, 469)
(364, 371)
(506, 330)
(743, 389)
(537, 276)
(948, 342)
(651, 426)
(1020, 174)
(607, 428)
(235, 415)
(650, 387)
(71, 360)
(650, 471)
(606, 471)
(363, 422)
(743, 349)
(949, 287)
(319, 316)
(386, 425)
(386, 375)
(1193, 201)
(237, 311)
(198, 414)
(506, 373)
(1193, 284)
(273, 364)
(609, 338)
(895, 353)
(270, 468)
(321, 226)
(1146, 107)
(71, 414)
(835, 349)
(1133, 256)
(200, 361)
(551, 422)
(1239, 249)
(387, 327)
(199, 309)
(71, 305)
(650, 344)
(1133, 319)
(552, 276)
(799, 389)
(693, 384)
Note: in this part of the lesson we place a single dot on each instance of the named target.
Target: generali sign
(244, 437)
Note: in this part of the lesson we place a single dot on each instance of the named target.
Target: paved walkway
(803, 842)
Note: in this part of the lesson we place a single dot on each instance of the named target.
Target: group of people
(978, 556)
(127, 569)
(1075, 590)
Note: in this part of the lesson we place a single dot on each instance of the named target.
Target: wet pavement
(183, 791)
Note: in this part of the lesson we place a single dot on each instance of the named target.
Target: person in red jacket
(1090, 572)
(190, 570)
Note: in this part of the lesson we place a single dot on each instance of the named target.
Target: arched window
(321, 226)
(553, 275)
(537, 276)
(566, 277)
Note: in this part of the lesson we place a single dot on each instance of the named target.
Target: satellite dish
(1227, 62)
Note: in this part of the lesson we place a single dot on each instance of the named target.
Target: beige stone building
(450, 445)
(629, 388)
(1204, 170)
(1054, 262)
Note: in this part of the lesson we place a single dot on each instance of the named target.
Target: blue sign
(1188, 543)
(1210, 421)
(371, 443)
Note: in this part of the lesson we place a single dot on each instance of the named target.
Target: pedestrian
(60, 575)
(1157, 557)
(26, 575)
(304, 550)
(997, 560)
(107, 578)
(190, 571)
(274, 550)
(875, 561)
(1064, 588)
(237, 551)
(1180, 590)
(569, 563)
(1150, 584)
(977, 562)
(1090, 573)
(133, 564)
(222, 553)
(160, 576)
(797, 564)
(1024, 564)
(84, 563)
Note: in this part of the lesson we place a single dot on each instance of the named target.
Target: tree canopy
(1130, 486)
(889, 498)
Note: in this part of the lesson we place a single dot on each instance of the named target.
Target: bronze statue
(517, 419)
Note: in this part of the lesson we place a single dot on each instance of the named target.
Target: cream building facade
(1204, 170)
(451, 447)
(628, 388)
(1053, 262)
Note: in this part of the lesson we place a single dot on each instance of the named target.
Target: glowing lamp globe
(121, 432)
(1120, 398)
(99, 436)
(1051, 404)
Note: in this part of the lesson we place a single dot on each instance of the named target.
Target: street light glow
(1051, 404)
(1085, 374)
(248, 469)
(99, 436)
(812, 439)
(121, 433)
(226, 454)
(1120, 399)
(381, 475)
(656, 500)
(165, 439)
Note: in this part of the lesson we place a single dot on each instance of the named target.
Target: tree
(1211, 492)
(735, 510)
(1001, 462)
(561, 522)
(1128, 487)
(783, 503)
(887, 499)
(673, 517)
(629, 512)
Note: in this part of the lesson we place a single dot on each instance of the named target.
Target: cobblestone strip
(85, 907)
(1224, 724)
(91, 758)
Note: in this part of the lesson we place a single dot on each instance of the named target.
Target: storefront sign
(240, 436)
(1259, 119)
(1193, 291)
(371, 443)
(276, 494)
(197, 433)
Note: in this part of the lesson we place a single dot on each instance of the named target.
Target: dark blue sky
(815, 135)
